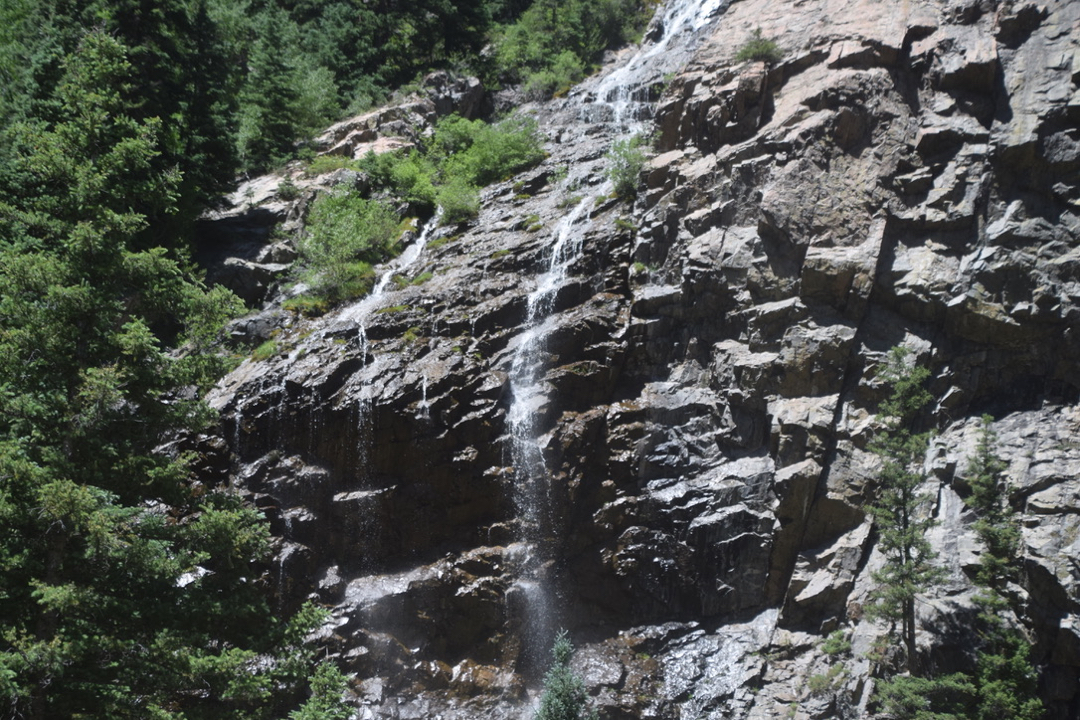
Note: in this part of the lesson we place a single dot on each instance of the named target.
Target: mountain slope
(657, 436)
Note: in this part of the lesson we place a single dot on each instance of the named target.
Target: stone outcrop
(235, 241)
(908, 173)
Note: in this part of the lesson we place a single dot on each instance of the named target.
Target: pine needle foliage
(126, 591)
(996, 525)
(759, 49)
(899, 508)
(1006, 679)
(564, 695)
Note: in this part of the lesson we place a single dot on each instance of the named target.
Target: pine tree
(899, 507)
(270, 116)
(1006, 681)
(125, 591)
(564, 695)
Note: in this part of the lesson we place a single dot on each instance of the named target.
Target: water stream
(619, 100)
(532, 486)
(359, 314)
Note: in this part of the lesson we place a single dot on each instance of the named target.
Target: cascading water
(361, 522)
(532, 484)
(359, 312)
(615, 94)
(625, 89)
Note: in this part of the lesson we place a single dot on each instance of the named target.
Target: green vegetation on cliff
(564, 695)
(556, 43)
(1003, 682)
(129, 589)
(899, 506)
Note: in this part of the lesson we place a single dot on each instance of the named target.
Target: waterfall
(359, 313)
(532, 482)
(621, 90)
(533, 596)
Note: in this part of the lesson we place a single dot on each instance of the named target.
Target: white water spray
(622, 89)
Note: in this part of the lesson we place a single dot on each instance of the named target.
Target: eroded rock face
(907, 174)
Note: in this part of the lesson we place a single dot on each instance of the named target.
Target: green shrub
(563, 73)
(462, 156)
(905, 697)
(287, 190)
(824, 682)
(265, 351)
(564, 695)
(345, 233)
(459, 200)
(482, 154)
(309, 305)
(439, 242)
(554, 43)
(322, 164)
(836, 644)
(759, 48)
(626, 160)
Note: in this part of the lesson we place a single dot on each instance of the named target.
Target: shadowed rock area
(908, 173)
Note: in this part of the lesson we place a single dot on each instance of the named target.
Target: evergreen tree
(182, 78)
(1006, 681)
(996, 524)
(125, 592)
(270, 114)
(898, 509)
(564, 695)
(899, 512)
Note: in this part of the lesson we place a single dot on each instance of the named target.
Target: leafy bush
(310, 305)
(759, 48)
(482, 153)
(345, 233)
(565, 71)
(323, 164)
(413, 177)
(626, 160)
(554, 43)
(410, 175)
(459, 200)
(265, 351)
(461, 156)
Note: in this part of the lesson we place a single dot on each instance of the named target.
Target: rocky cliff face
(696, 373)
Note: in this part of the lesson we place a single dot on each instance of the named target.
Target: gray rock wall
(908, 173)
